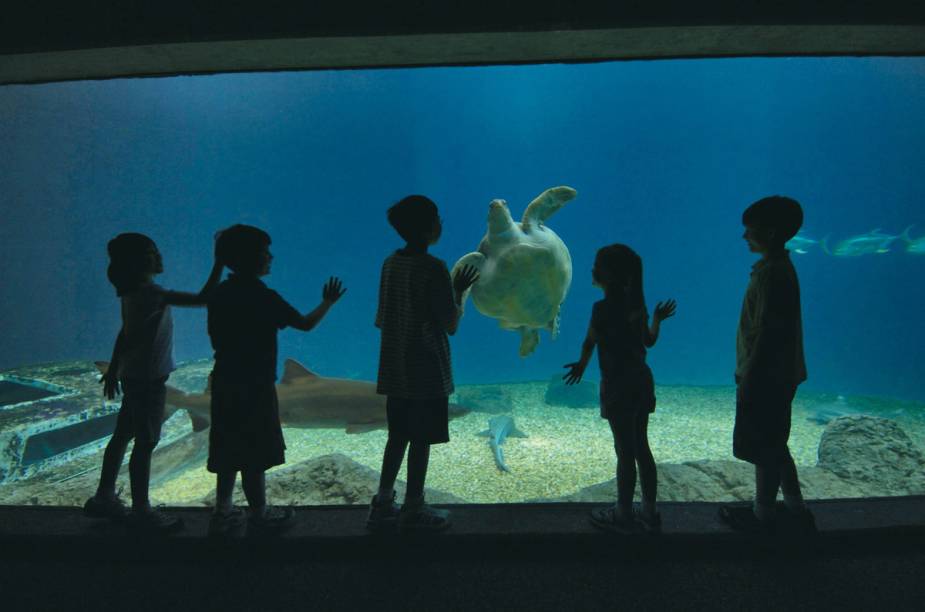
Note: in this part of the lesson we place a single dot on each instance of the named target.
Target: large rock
(874, 453)
(582, 395)
(327, 480)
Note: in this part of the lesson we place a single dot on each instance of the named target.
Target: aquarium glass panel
(662, 156)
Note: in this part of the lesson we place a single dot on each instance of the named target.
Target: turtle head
(499, 217)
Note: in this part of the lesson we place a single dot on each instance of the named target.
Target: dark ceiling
(48, 41)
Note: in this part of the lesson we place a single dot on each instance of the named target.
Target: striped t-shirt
(416, 311)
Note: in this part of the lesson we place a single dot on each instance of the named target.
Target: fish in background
(801, 243)
(873, 242)
(499, 429)
(916, 246)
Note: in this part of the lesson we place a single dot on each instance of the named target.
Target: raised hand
(332, 291)
(576, 371)
(664, 310)
(464, 278)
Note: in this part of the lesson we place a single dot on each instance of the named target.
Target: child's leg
(790, 484)
(418, 458)
(767, 482)
(224, 491)
(148, 400)
(112, 458)
(624, 434)
(648, 474)
(255, 490)
(392, 457)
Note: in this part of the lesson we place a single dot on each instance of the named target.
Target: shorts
(143, 410)
(245, 433)
(628, 392)
(418, 420)
(762, 425)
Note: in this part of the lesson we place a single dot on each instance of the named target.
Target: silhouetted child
(769, 366)
(620, 330)
(246, 435)
(142, 359)
(418, 307)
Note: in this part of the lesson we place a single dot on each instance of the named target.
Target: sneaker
(742, 518)
(610, 519)
(800, 521)
(382, 514)
(112, 508)
(422, 517)
(274, 520)
(650, 524)
(154, 520)
(226, 524)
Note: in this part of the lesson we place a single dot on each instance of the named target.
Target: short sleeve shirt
(147, 328)
(620, 347)
(769, 342)
(416, 310)
(244, 316)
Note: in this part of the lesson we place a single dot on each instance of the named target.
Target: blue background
(665, 155)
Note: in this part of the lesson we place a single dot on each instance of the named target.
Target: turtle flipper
(476, 260)
(529, 338)
(546, 204)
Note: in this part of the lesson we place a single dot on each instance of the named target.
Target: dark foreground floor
(869, 555)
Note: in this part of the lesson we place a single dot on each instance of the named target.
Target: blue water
(664, 154)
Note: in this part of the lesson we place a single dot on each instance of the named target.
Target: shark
(874, 241)
(801, 243)
(916, 246)
(824, 414)
(306, 401)
(499, 429)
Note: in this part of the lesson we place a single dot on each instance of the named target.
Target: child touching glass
(620, 331)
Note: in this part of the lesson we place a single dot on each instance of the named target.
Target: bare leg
(255, 490)
(624, 438)
(418, 458)
(139, 470)
(648, 473)
(112, 461)
(224, 491)
(392, 457)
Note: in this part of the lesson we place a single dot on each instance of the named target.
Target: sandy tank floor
(566, 449)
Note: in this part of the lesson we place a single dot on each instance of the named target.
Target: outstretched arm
(577, 368)
(183, 298)
(663, 310)
(330, 293)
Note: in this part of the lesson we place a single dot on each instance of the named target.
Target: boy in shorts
(418, 307)
(769, 366)
(245, 436)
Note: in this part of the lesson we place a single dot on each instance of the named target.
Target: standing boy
(418, 307)
(769, 366)
(245, 436)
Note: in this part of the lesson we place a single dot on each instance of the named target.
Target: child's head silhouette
(416, 220)
(618, 269)
(133, 258)
(777, 218)
(244, 249)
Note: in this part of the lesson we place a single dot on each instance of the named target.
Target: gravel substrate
(566, 448)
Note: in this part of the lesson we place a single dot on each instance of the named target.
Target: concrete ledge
(527, 531)
(456, 49)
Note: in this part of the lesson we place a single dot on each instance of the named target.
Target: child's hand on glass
(464, 278)
(577, 370)
(332, 291)
(664, 310)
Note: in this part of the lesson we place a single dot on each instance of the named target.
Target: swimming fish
(916, 246)
(499, 428)
(800, 243)
(306, 401)
(872, 242)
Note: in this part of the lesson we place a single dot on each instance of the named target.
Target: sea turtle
(524, 268)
